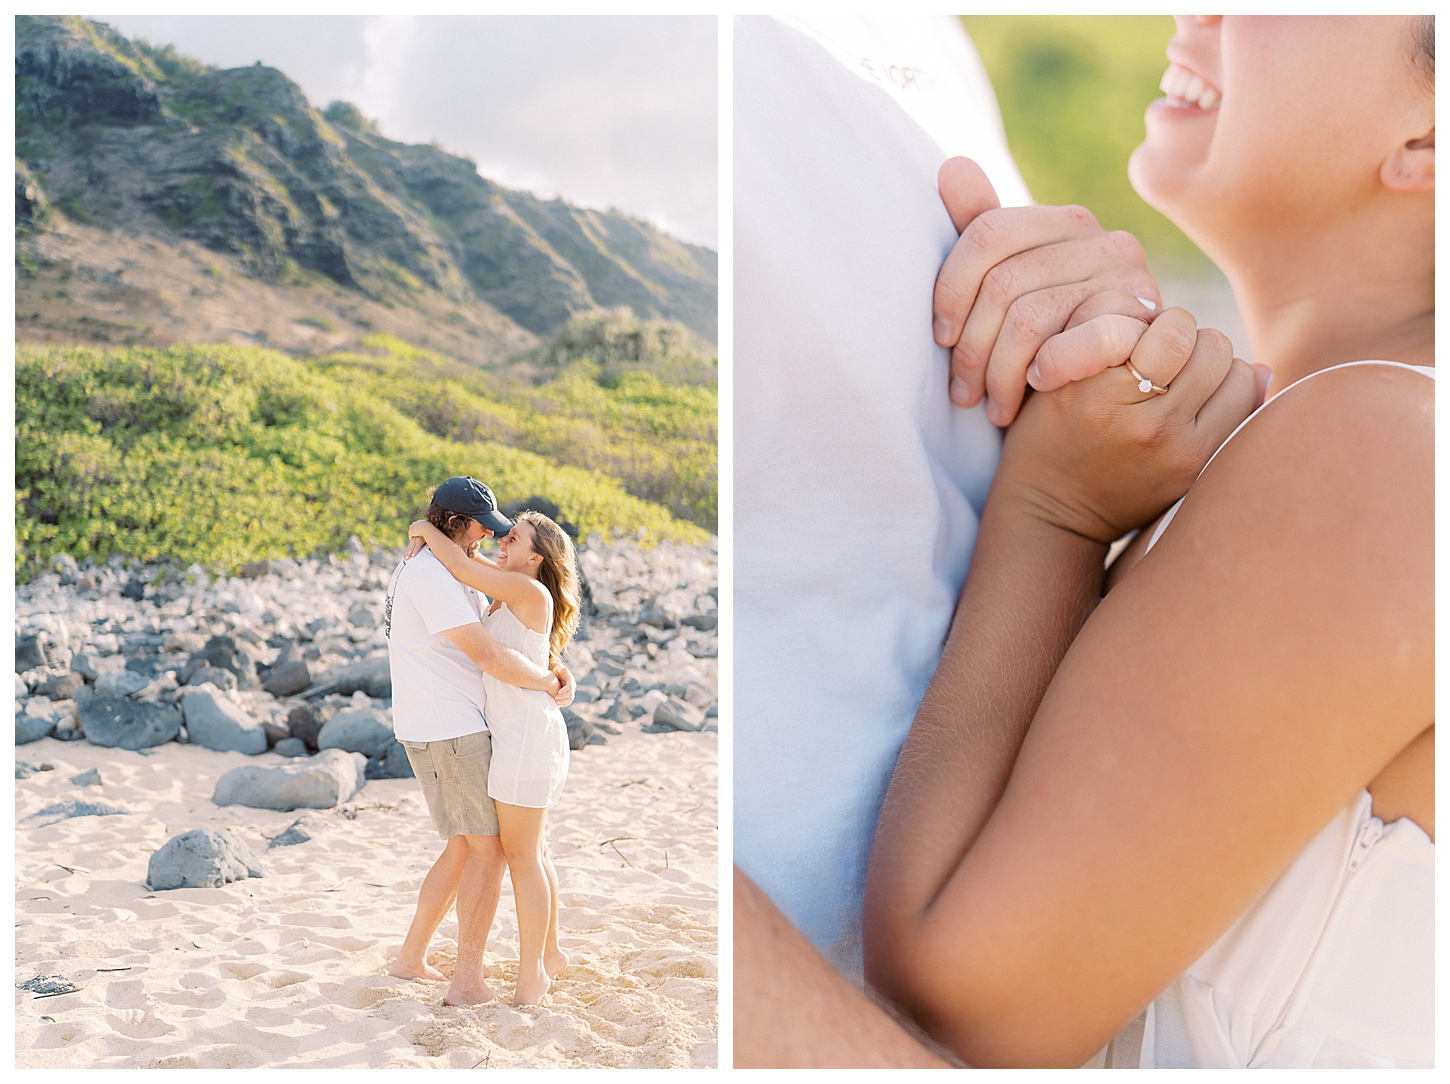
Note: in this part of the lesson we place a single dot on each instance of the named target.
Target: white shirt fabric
(1332, 968)
(858, 484)
(438, 691)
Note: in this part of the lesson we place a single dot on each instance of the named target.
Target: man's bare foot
(474, 993)
(421, 969)
(531, 988)
(554, 962)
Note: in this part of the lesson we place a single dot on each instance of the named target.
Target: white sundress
(1332, 967)
(530, 741)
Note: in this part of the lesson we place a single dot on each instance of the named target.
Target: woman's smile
(1187, 89)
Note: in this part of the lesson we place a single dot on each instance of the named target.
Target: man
(436, 649)
(841, 124)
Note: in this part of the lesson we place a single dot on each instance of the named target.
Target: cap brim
(495, 523)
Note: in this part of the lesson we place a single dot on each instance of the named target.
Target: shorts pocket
(421, 758)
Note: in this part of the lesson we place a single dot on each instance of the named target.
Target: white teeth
(1182, 85)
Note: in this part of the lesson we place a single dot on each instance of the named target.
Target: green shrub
(656, 440)
(224, 455)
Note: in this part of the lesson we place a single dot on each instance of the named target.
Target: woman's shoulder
(1346, 445)
(1359, 420)
(1327, 494)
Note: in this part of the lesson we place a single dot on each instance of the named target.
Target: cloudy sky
(606, 111)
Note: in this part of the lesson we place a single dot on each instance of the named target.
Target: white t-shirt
(858, 484)
(437, 689)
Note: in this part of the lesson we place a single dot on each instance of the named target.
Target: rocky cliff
(121, 146)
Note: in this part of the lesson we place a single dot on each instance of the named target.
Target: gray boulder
(304, 721)
(703, 622)
(119, 723)
(223, 653)
(222, 679)
(201, 858)
(63, 687)
(215, 722)
(275, 732)
(360, 730)
(254, 571)
(391, 763)
(121, 683)
(372, 676)
(677, 716)
(87, 778)
(290, 747)
(134, 589)
(29, 728)
(319, 782)
(361, 616)
(29, 653)
(288, 679)
(76, 807)
(302, 830)
(580, 728)
(87, 664)
(47, 985)
(659, 617)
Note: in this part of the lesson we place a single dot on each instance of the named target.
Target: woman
(534, 585)
(1199, 815)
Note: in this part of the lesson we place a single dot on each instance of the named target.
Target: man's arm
(794, 1011)
(503, 663)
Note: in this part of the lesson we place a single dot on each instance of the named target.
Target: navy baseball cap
(470, 497)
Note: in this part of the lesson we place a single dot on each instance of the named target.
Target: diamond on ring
(1144, 384)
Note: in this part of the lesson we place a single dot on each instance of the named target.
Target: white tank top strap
(1423, 370)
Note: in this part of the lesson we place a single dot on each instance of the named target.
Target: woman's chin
(1165, 165)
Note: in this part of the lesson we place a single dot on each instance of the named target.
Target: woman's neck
(1338, 299)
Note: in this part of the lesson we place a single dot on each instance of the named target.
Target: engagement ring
(1144, 384)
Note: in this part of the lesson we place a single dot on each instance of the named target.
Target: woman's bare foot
(554, 962)
(531, 989)
(476, 992)
(416, 969)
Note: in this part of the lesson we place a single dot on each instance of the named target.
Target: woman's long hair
(560, 574)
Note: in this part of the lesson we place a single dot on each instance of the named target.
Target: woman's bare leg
(521, 831)
(554, 959)
(794, 1011)
(440, 889)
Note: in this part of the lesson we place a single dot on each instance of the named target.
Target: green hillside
(1073, 89)
(222, 455)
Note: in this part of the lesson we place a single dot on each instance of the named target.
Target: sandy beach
(289, 969)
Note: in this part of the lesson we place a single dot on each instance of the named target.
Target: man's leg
(439, 890)
(795, 1011)
(478, 893)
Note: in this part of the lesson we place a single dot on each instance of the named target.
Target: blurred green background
(1073, 89)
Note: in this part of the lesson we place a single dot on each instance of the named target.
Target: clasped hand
(1045, 297)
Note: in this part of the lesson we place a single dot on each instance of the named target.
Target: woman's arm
(525, 596)
(1030, 891)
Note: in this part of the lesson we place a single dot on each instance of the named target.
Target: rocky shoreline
(289, 656)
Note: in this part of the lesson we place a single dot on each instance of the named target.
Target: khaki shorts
(454, 777)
